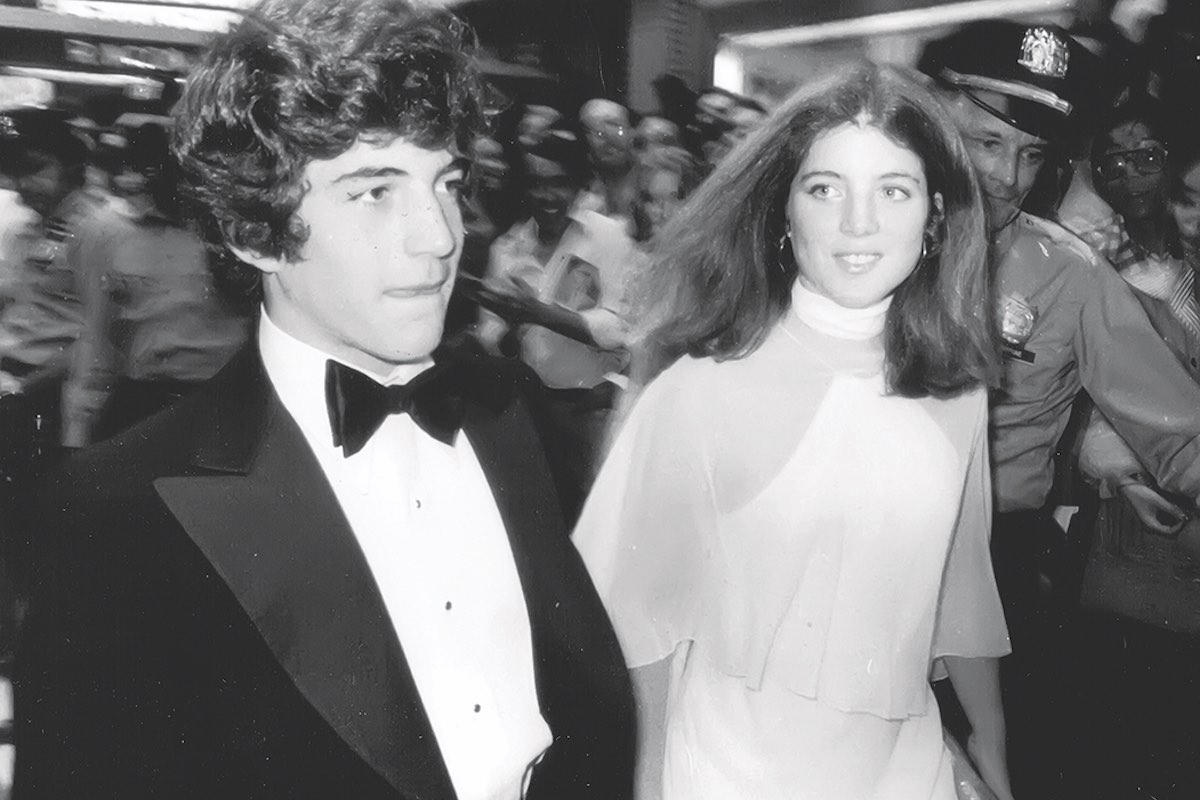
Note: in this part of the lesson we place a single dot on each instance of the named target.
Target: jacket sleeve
(1138, 384)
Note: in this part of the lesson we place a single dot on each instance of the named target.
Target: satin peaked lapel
(521, 484)
(274, 531)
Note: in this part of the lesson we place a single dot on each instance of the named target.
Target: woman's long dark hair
(721, 279)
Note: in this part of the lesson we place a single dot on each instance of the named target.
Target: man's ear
(268, 265)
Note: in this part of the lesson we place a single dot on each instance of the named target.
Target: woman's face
(1130, 173)
(1185, 207)
(857, 213)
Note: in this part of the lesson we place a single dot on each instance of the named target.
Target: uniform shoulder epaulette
(1056, 235)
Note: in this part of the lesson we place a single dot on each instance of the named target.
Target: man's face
(606, 125)
(375, 275)
(551, 191)
(1130, 173)
(1006, 159)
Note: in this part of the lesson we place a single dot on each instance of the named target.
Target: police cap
(1041, 69)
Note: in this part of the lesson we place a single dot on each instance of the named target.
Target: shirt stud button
(477, 708)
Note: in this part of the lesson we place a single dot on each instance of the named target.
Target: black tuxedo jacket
(202, 622)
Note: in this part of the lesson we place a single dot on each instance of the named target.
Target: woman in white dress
(791, 533)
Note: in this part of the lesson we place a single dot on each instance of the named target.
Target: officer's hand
(1156, 512)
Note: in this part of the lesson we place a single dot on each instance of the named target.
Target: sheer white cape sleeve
(649, 521)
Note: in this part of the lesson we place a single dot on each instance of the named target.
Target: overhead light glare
(900, 22)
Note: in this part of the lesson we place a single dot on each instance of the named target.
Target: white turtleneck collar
(828, 317)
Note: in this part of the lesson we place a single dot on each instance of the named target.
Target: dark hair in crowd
(1138, 108)
(31, 138)
(725, 274)
(149, 152)
(301, 80)
(563, 145)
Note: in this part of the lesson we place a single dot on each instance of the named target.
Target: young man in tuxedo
(339, 569)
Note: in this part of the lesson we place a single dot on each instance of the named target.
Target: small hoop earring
(930, 247)
(783, 240)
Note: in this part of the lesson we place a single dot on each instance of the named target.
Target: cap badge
(1044, 52)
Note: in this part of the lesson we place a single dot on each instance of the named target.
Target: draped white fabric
(813, 543)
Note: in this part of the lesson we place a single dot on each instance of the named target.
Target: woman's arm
(651, 688)
(976, 681)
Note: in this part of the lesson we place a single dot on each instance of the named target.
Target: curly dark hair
(303, 80)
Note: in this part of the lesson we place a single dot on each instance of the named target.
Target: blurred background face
(1185, 206)
(45, 183)
(129, 182)
(534, 124)
(606, 125)
(551, 191)
(713, 111)
(659, 198)
(655, 134)
(745, 120)
(490, 167)
(1130, 171)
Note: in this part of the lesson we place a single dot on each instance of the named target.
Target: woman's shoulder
(687, 386)
(706, 382)
(962, 416)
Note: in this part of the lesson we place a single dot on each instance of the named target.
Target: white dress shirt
(425, 517)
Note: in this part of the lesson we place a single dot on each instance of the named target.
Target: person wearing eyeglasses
(1130, 163)
(1139, 582)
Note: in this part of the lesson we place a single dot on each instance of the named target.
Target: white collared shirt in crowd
(425, 517)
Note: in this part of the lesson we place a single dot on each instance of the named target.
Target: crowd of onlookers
(109, 312)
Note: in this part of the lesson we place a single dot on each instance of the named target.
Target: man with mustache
(1068, 323)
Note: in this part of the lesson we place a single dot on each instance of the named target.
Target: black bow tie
(358, 405)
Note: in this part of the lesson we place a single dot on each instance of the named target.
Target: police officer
(1068, 322)
(41, 314)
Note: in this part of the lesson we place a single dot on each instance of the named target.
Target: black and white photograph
(599, 399)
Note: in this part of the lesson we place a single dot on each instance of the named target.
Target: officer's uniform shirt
(150, 313)
(1068, 320)
(44, 319)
